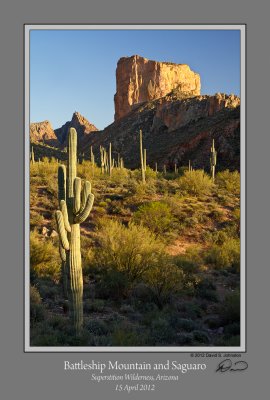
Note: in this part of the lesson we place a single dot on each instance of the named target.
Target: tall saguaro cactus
(143, 161)
(213, 160)
(75, 205)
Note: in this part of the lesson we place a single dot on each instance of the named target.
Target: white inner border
(242, 347)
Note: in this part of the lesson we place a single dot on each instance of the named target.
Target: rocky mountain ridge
(178, 123)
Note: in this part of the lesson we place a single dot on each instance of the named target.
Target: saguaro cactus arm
(83, 214)
(61, 229)
(63, 209)
(77, 195)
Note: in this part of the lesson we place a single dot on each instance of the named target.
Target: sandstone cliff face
(42, 132)
(174, 114)
(139, 79)
(80, 123)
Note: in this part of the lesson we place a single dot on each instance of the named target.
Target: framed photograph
(135, 188)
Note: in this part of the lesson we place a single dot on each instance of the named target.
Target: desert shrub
(36, 219)
(119, 176)
(112, 284)
(206, 290)
(195, 183)
(97, 327)
(184, 339)
(189, 263)
(44, 257)
(127, 309)
(189, 309)
(226, 255)
(232, 329)
(230, 309)
(142, 292)
(201, 337)
(184, 324)
(131, 250)
(141, 190)
(37, 312)
(164, 280)
(228, 341)
(213, 322)
(162, 332)
(35, 297)
(156, 216)
(125, 335)
(96, 305)
(230, 181)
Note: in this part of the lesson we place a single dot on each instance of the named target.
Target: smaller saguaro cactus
(213, 160)
(164, 169)
(110, 160)
(189, 166)
(156, 167)
(102, 159)
(121, 163)
(32, 155)
(143, 162)
(144, 159)
(175, 169)
(92, 157)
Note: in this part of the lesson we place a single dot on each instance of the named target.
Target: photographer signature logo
(227, 365)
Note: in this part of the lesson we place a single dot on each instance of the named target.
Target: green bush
(164, 279)
(96, 305)
(112, 284)
(201, 337)
(37, 312)
(185, 324)
(44, 257)
(156, 216)
(230, 309)
(132, 250)
(195, 183)
(125, 335)
(230, 181)
(226, 255)
(162, 332)
(34, 295)
(207, 290)
(97, 327)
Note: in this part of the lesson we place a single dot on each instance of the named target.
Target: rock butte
(80, 123)
(139, 79)
(42, 132)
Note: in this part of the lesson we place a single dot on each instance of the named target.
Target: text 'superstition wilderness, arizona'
(133, 163)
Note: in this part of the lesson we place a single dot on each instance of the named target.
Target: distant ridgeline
(164, 101)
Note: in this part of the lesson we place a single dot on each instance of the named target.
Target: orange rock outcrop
(139, 79)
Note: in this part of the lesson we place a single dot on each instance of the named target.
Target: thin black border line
(245, 135)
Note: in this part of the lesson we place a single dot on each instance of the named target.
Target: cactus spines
(213, 160)
(75, 205)
(143, 162)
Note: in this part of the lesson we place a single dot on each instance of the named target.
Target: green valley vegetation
(157, 259)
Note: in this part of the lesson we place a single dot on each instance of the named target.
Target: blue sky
(74, 70)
